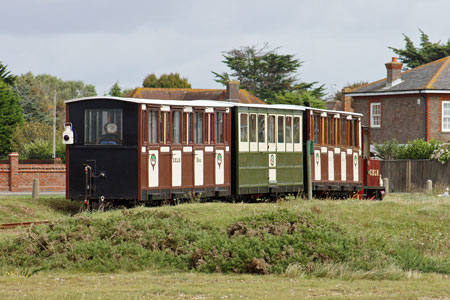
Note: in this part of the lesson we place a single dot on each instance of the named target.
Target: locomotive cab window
(103, 127)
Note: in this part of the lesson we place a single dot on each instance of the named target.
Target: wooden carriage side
(268, 149)
(185, 149)
(336, 162)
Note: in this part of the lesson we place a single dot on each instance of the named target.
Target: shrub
(415, 149)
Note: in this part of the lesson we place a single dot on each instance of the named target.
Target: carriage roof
(209, 103)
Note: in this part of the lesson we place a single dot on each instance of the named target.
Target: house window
(375, 115)
(446, 116)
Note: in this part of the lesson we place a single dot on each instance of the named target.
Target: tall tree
(10, 116)
(265, 72)
(43, 89)
(6, 75)
(172, 80)
(115, 90)
(414, 56)
(34, 109)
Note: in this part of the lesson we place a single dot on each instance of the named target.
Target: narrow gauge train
(128, 150)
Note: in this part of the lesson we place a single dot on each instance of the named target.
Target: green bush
(415, 149)
(267, 244)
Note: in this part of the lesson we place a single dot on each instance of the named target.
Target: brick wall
(402, 118)
(18, 177)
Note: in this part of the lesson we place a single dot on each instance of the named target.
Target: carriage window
(280, 129)
(316, 128)
(103, 127)
(342, 131)
(244, 126)
(198, 128)
(219, 128)
(288, 129)
(330, 131)
(209, 122)
(262, 128)
(153, 126)
(271, 128)
(296, 130)
(176, 127)
(252, 128)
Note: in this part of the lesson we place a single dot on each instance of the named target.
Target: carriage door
(153, 148)
(165, 154)
(219, 140)
(176, 118)
(209, 158)
(199, 148)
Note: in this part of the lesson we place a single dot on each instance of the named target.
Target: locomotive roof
(209, 103)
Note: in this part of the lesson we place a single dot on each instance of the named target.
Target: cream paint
(220, 167)
(198, 167)
(153, 168)
(331, 165)
(317, 165)
(355, 163)
(343, 166)
(176, 168)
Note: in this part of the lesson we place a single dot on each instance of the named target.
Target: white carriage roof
(209, 103)
(214, 103)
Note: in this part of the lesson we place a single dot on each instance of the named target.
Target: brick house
(406, 105)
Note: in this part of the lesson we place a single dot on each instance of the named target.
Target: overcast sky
(104, 41)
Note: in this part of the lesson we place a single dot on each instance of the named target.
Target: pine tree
(413, 56)
(10, 117)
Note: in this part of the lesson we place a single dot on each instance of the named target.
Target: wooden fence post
(408, 176)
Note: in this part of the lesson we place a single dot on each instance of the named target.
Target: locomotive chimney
(232, 92)
(394, 72)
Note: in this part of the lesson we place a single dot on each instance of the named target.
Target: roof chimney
(232, 92)
(394, 72)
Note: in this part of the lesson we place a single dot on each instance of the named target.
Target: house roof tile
(433, 75)
(191, 94)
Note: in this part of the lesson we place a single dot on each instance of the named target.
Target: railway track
(21, 224)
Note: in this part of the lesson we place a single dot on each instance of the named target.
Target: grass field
(411, 221)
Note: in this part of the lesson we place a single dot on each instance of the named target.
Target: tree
(414, 56)
(264, 72)
(43, 87)
(295, 98)
(115, 90)
(172, 80)
(5, 75)
(10, 116)
(32, 107)
(339, 96)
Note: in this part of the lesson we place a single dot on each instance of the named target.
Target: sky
(105, 41)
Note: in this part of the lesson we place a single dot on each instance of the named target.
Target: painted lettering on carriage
(374, 172)
(176, 160)
(198, 159)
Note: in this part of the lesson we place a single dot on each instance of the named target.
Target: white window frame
(445, 116)
(372, 123)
